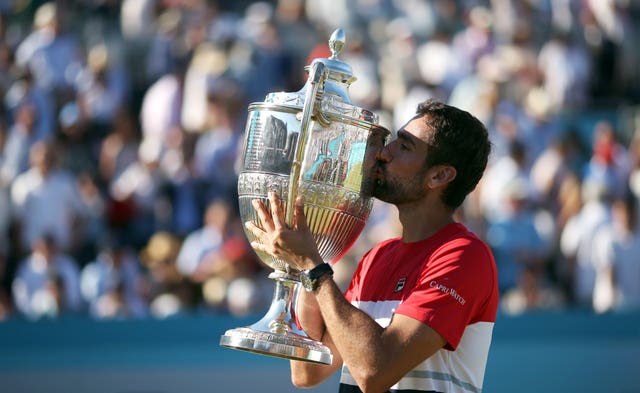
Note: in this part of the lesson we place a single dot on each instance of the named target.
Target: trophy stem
(276, 334)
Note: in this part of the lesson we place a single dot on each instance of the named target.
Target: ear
(440, 175)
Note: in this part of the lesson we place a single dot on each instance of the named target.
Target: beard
(398, 190)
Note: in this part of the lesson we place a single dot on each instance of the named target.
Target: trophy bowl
(316, 144)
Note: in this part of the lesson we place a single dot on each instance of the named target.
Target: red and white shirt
(449, 282)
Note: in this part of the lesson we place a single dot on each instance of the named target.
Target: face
(400, 171)
(375, 143)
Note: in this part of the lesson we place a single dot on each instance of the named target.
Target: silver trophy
(313, 143)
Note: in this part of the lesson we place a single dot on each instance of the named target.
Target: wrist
(321, 281)
(312, 262)
(312, 278)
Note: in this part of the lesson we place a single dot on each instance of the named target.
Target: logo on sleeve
(400, 284)
(450, 291)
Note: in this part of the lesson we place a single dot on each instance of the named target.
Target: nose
(384, 154)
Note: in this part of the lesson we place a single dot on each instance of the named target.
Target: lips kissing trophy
(317, 144)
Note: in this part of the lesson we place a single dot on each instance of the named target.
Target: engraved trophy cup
(313, 143)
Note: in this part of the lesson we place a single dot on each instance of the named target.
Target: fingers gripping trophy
(316, 144)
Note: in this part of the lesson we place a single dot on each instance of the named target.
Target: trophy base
(277, 334)
(279, 345)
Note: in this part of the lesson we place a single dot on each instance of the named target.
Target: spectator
(218, 259)
(271, 67)
(95, 225)
(218, 146)
(296, 32)
(551, 168)
(565, 70)
(113, 284)
(119, 149)
(534, 292)
(210, 62)
(168, 292)
(24, 92)
(363, 62)
(204, 240)
(142, 187)
(576, 242)
(137, 19)
(502, 172)
(76, 144)
(51, 54)
(161, 108)
(103, 89)
(438, 63)
(609, 163)
(46, 201)
(47, 282)
(21, 137)
(615, 253)
(164, 45)
(516, 238)
(474, 40)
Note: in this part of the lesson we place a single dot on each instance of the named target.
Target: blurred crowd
(122, 124)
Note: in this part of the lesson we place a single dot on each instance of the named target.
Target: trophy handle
(317, 76)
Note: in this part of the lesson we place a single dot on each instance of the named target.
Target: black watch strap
(319, 271)
(311, 278)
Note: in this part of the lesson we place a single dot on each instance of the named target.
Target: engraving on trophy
(275, 140)
(329, 163)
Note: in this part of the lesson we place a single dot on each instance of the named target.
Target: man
(419, 312)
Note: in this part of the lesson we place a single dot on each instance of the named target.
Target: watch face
(309, 278)
(307, 283)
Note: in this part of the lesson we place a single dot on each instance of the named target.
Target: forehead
(417, 130)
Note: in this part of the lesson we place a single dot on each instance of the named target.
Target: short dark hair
(458, 139)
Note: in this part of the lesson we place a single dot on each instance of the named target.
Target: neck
(421, 222)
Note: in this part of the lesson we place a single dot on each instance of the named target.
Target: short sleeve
(457, 287)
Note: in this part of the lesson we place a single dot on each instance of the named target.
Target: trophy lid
(333, 93)
(337, 69)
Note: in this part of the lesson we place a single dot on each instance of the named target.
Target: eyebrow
(405, 136)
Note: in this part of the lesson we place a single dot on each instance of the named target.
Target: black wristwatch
(311, 278)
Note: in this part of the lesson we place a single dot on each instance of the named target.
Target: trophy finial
(336, 43)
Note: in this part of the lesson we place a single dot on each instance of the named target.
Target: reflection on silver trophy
(317, 144)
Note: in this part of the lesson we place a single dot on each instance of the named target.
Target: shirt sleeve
(355, 282)
(453, 289)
